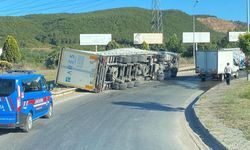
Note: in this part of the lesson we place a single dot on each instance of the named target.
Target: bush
(11, 51)
(4, 65)
(52, 60)
(144, 46)
(112, 45)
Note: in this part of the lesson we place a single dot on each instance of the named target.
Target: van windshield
(7, 87)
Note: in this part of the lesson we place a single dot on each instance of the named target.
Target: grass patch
(235, 107)
(49, 74)
(185, 62)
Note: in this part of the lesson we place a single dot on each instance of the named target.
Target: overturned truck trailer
(114, 69)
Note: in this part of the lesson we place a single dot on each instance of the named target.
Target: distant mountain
(64, 29)
(221, 25)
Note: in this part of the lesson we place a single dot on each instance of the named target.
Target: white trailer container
(213, 63)
(116, 69)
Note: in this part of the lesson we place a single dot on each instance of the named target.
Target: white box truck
(114, 69)
(213, 63)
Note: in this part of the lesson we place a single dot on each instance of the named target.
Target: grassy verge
(49, 74)
(235, 107)
(185, 62)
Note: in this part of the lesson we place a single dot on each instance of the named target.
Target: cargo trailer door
(211, 61)
(77, 69)
(200, 62)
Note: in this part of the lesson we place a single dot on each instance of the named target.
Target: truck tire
(147, 78)
(160, 77)
(28, 123)
(122, 86)
(130, 84)
(236, 75)
(115, 86)
(50, 112)
(203, 78)
(137, 84)
(174, 72)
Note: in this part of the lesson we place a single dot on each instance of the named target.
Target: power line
(44, 7)
(18, 4)
(30, 9)
(94, 5)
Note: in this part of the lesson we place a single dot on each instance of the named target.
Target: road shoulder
(204, 109)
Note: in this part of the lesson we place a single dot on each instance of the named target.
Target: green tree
(11, 51)
(174, 44)
(244, 43)
(112, 45)
(4, 65)
(223, 43)
(52, 60)
(144, 46)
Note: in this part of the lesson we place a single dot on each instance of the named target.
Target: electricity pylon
(157, 21)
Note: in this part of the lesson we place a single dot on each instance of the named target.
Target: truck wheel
(122, 86)
(174, 72)
(203, 78)
(130, 84)
(50, 112)
(160, 77)
(28, 123)
(137, 84)
(147, 78)
(115, 86)
(236, 75)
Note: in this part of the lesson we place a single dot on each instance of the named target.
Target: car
(24, 97)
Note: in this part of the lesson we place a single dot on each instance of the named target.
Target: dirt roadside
(205, 110)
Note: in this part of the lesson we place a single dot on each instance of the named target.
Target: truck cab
(24, 97)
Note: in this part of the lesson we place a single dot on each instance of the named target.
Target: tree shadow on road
(150, 106)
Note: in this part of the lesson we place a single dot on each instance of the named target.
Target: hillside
(220, 25)
(64, 29)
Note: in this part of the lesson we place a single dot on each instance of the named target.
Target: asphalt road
(146, 118)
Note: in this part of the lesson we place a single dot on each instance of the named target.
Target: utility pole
(157, 21)
(247, 15)
(195, 46)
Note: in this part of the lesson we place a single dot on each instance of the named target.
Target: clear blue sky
(226, 9)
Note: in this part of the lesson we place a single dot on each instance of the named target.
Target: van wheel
(28, 123)
(50, 112)
(236, 75)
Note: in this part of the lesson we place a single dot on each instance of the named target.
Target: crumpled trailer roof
(127, 51)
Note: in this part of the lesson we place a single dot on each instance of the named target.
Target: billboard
(95, 39)
(197, 37)
(234, 36)
(149, 38)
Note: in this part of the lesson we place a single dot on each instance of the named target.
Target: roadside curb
(63, 92)
(197, 126)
